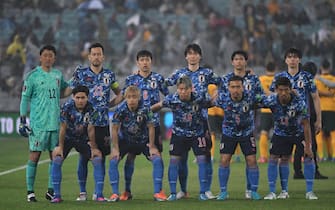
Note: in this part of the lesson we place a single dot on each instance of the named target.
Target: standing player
(238, 128)
(77, 131)
(303, 83)
(252, 87)
(188, 132)
(265, 115)
(327, 100)
(215, 118)
(133, 133)
(100, 82)
(291, 126)
(201, 77)
(151, 85)
(42, 89)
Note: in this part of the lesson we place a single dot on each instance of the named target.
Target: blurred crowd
(263, 28)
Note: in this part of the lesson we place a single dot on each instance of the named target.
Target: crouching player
(77, 131)
(133, 132)
(188, 132)
(291, 126)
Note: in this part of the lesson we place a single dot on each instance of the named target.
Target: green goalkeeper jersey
(42, 89)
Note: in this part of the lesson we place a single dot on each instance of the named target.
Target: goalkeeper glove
(24, 129)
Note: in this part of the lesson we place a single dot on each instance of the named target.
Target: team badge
(195, 108)
(201, 78)
(86, 117)
(58, 82)
(300, 83)
(291, 113)
(24, 88)
(106, 80)
(139, 118)
(248, 86)
(153, 84)
(245, 108)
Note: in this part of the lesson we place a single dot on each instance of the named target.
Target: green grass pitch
(14, 153)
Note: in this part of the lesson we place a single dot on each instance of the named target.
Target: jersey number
(52, 93)
(202, 142)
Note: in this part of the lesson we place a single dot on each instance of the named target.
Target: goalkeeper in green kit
(42, 89)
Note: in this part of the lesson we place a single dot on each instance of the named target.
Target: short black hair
(271, 66)
(284, 81)
(325, 64)
(310, 67)
(143, 53)
(293, 51)
(96, 45)
(240, 52)
(79, 89)
(194, 47)
(48, 47)
(184, 80)
(235, 78)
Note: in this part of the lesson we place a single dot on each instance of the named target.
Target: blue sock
(98, 176)
(114, 175)
(209, 167)
(82, 172)
(223, 177)
(284, 171)
(272, 174)
(202, 173)
(247, 178)
(173, 174)
(309, 172)
(183, 172)
(157, 172)
(253, 178)
(50, 185)
(128, 174)
(57, 175)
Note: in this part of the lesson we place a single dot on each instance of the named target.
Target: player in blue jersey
(291, 127)
(303, 83)
(77, 131)
(133, 133)
(42, 89)
(201, 77)
(252, 87)
(100, 81)
(151, 85)
(238, 128)
(187, 132)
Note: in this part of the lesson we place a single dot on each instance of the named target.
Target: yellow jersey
(266, 81)
(327, 103)
(214, 111)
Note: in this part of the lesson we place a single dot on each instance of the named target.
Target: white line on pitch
(25, 166)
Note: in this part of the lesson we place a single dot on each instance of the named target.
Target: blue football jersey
(251, 84)
(201, 78)
(76, 121)
(150, 87)
(302, 82)
(133, 124)
(287, 118)
(100, 86)
(187, 117)
(238, 116)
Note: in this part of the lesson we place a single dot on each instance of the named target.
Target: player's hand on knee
(308, 152)
(95, 153)
(24, 129)
(115, 153)
(153, 151)
(58, 151)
